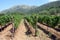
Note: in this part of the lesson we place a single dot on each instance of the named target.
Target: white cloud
(52, 0)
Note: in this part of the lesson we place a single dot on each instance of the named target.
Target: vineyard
(48, 24)
(51, 21)
(14, 18)
(30, 20)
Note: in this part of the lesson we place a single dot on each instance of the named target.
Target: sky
(5, 4)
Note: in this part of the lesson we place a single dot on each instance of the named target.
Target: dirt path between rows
(20, 34)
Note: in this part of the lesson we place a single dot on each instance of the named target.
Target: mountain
(19, 8)
(47, 7)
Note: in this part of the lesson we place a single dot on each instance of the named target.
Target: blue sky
(5, 4)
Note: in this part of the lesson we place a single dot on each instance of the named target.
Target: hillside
(19, 8)
(48, 8)
(52, 6)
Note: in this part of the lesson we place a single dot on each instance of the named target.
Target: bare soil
(5, 34)
(20, 34)
(51, 30)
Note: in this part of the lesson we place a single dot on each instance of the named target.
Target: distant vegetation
(52, 8)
